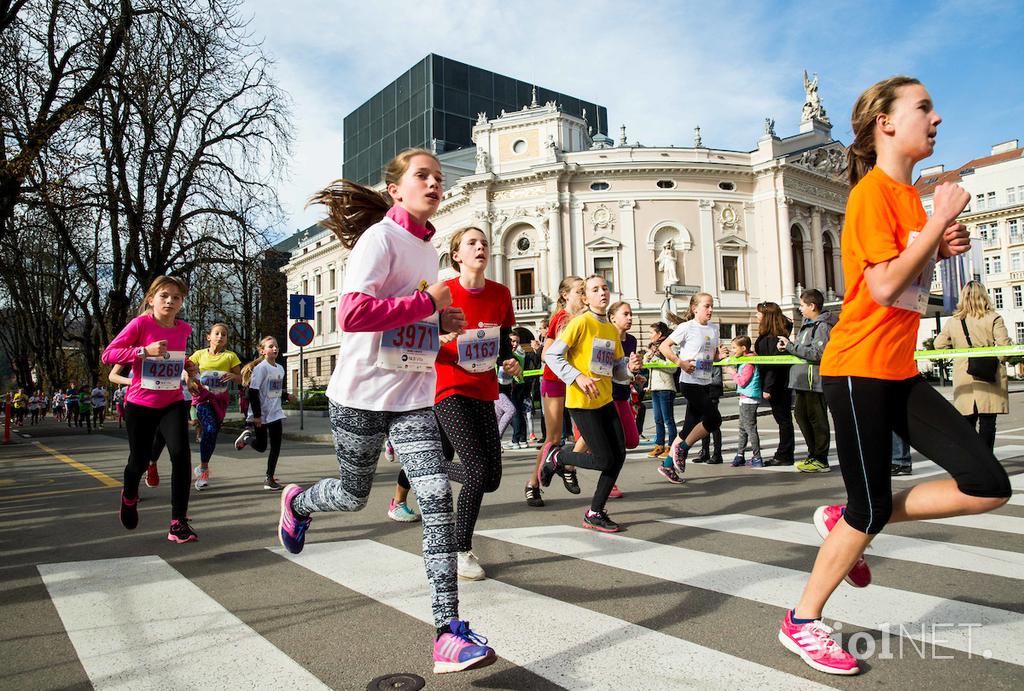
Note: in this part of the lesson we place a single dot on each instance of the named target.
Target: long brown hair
(248, 369)
(352, 208)
(876, 100)
(773, 321)
(158, 283)
(567, 285)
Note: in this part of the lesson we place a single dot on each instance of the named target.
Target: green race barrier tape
(939, 354)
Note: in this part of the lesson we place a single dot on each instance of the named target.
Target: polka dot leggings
(470, 428)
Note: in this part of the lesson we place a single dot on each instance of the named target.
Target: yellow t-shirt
(213, 366)
(594, 347)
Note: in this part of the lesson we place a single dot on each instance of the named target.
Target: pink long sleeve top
(140, 332)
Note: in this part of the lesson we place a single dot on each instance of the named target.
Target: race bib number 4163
(478, 349)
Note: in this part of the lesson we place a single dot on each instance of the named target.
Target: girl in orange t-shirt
(870, 381)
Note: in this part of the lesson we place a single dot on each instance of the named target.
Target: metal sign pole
(302, 418)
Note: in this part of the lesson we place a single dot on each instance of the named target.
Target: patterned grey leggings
(358, 436)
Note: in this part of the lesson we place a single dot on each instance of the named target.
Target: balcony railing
(525, 304)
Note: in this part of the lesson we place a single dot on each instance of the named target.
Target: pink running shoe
(813, 642)
(461, 649)
(825, 518)
(291, 528)
(616, 493)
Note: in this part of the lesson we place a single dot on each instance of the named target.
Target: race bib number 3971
(411, 347)
(163, 373)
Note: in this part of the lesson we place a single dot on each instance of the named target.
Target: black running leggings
(143, 423)
(602, 430)
(269, 431)
(470, 428)
(699, 409)
(867, 411)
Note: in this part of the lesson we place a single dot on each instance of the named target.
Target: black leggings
(986, 426)
(143, 423)
(470, 428)
(602, 430)
(700, 409)
(269, 431)
(781, 402)
(867, 411)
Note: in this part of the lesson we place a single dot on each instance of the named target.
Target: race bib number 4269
(163, 373)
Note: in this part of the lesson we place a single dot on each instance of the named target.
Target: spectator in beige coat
(979, 401)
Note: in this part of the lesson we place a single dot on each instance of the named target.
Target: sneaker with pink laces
(669, 473)
(825, 518)
(814, 644)
(291, 527)
(461, 649)
(616, 493)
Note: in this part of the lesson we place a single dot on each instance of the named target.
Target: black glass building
(438, 99)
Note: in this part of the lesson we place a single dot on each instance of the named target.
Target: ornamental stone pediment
(732, 242)
(603, 243)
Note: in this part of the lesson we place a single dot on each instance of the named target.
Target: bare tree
(59, 52)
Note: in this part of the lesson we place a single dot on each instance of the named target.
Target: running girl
(570, 303)
(217, 367)
(868, 372)
(154, 345)
(263, 380)
(621, 316)
(588, 356)
(391, 311)
(116, 376)
(467, 386)
(697, 340)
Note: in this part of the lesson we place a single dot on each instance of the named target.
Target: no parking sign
(301, 334)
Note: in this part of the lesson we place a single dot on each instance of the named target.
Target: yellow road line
(15, 497)
(98, 474)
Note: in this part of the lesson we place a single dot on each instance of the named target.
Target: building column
(817, 250)
(483, 220)
(785, 251)
(629, 286)
(708, 251)
(556, 266)
(498, 262)
(577, 239)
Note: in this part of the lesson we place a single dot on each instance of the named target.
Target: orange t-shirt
(871, 340)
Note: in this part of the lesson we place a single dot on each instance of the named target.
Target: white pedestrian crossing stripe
(136, 623)
(607, 653)
(994, 562)
(1000, 631)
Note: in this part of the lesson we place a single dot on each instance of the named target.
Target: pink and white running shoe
(814, 644)
(461, 649)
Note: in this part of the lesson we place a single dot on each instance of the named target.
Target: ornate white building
(995, 219)
(745, 226)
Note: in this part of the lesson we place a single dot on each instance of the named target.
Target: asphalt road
(690, 603)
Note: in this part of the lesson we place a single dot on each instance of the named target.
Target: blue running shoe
(291, 529)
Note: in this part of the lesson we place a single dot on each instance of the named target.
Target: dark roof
(926, 184)
(292, 241)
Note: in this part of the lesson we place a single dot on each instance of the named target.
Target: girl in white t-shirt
(263, 380)
(697, 341)
(392, 310)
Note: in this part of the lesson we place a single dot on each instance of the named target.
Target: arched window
(830, 267)
(797, 244)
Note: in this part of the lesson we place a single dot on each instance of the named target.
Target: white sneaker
(243, 439)
(402, 513)
(202, 477)
(509, 445)
(469, 567)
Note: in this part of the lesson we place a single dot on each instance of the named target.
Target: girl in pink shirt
(153, 345)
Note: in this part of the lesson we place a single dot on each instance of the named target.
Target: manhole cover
(396, 682)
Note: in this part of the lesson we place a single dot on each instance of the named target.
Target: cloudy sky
(660, 67)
